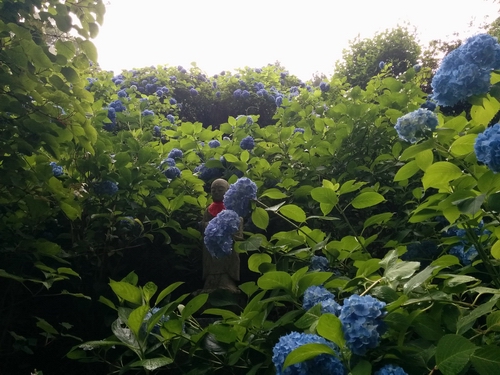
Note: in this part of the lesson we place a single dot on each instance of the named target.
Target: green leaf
(493, 321)
(194, 305)
(293, 212)
(310, 279)
(362, 368)
(465, 322)
(418, 279)
(470, 205)
(46, 326)
(324, 195)
(273, 194)
(260, 218)
(439, 174)
(257, 259)
(126, 291)
(367, 199)
(153, 363)
(275, 280)
(452, 354)
(107, 302)
(463, 145)
(330, 327)
(306, 352)
(136, 318)
(486, 360)
(378, 219)
(401, 270)
(89, 49)
(149, 290)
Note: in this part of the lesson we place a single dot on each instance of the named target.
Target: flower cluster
(324, 86)
(219, 233)
(487, 147)
(319, 263)
(463, 250)
(156, 131)
(412, 126)
(324, 363)
(172, 172)
(391, 370)
(175, 153)
(298, 130)
(239, 195)
(431, 106)
(106, 188)
(214, 143)
(57, 170)
(207, 174)
(362, 323)
(171, 118)
(319, 294)
(465, 256)
(147, 112)
(381, 64)
(157, 326)
(466, 70)
(247, 143)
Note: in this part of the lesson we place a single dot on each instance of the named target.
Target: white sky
(305, 36)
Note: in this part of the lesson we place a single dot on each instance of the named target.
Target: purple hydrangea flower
(249, 120)
(157, 131)
(193, 91)
(381, 65)
(299, 130)
(259, 86)
(122, 94)
(237, 93)
(172, 101)
(487, 147)
(171, 118)
(283, 75)
(322, 364)
(118, 106)
(57, 170)
(279, 101)
(247, 143)
(219, 233)
(214, 143)
(147, 112)
(175, 153)
(159, 92)
(466, 70)
(208, 174)
(431, 106)
(391, 370)
(172, 172)
(217, 94)
(324, 86)
(412, 126)
(245, 94)
(362, 323)
(168, 161)
(239, 195)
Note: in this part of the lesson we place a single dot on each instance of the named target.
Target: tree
(361, 60)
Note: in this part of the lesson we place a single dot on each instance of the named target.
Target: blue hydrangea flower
(207, 174)
(237, 93)
(487, 147)
(147, 112)
(193, 91)
(245, 94)
(175, 153)
(431, 106)
(165, 90)
(122, 94)
(223, 73)
(319, 263)
(156, 328)
(466, 70)
(239, 195)
(247, 143)
(465, 256)
(172, 101)
(322, 364)
(106, 188)
(324, 86)
(412, 126)
(259, 86)
(217, 94)
(171, 118)
(172, 172)
(283, 75)
(249, 120)
(381, 65)
(57, 170)
(159, 92)
(262, 92)
(150, 88)
(214, 143)
(118, 106)
(279, 101)
(319, 294)
(219, 233)
(168, 161)
(157, 131)
(417, 67)
(299, 130)
(391, 370)
(362, 323)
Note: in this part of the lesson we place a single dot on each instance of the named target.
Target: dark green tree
(361, 60)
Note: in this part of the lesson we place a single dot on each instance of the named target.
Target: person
(222, 273)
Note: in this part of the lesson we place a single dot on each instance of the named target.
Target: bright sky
(305, 36)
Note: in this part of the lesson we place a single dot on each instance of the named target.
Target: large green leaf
(439, 174)
(153, 363)
(453, 353)
(275, 280)
(367, 199)
(260, 218)
(486, 360)
(306, 352)
(126, 291)
(293, 212)
(330, 327)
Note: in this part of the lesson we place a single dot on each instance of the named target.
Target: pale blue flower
(57, 170)
(391, 370)
(319, 294)
(487, 147)
(412, 126)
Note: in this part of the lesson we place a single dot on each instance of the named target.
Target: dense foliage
(370, 214)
